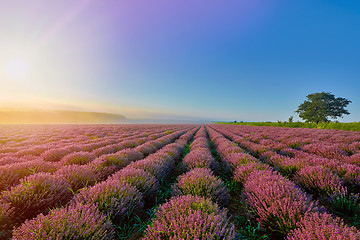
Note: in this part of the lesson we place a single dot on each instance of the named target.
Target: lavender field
(210, 181)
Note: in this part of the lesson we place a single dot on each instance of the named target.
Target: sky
(244, 60)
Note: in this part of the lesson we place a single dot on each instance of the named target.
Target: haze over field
(194, 60)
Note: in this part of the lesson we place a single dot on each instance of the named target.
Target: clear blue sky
(253, 60)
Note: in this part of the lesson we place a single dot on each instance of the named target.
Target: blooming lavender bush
(199, 158)
(241, 172)
(355, 159)
(147, 148)
(79, 158)
(322, 226)
(173, 149)
(6, 217)
(190, 217)
(143, 181)
(77, 176)
(276, 200)
(131, 154)
(200, 142)
(158, 164)
(232, 160)
(202, 182)
(79, 221)
(10, 160)
(352, 174)
(55, 154)
(114, 198)
(112, 160)
(10, 175)
(36, 194)
(318, 179)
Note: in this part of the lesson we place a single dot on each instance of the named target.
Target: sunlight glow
(17, 68)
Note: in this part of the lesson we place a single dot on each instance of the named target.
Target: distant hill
(57, 116)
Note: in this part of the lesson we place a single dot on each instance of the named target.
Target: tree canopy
(320, 106)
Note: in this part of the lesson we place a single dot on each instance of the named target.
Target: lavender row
(36, 142)
(330, 144)
(33, 135)
(11, 174)
(192, 212)
(314, 173)
(55, 150)
(118, 197)
(280, 205)
(34, 196)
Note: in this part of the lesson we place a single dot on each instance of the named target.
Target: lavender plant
(36, 194)
(190, 217)
(202, 182)
(322, 226)
(78, 158)
(143, 181)
(80, 221)
(113, 198)
(318, 179)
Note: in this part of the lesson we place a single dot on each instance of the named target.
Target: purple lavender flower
(36, 194)
(199, 158)
(319, 179)
(190, 217)
(113, 198)
(276, 200)
(79, 221)
(316, 225)
(78, 158)
(143, 181)
(77, 176)
(10, 175)
(202, 182)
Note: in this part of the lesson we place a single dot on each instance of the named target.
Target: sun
(17, 68)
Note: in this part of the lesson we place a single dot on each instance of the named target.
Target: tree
(319, 106)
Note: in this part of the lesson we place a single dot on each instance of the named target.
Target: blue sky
(253, 60)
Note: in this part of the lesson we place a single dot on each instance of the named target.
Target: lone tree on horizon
(319, 106)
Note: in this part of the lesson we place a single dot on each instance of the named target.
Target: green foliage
(319, 106)
(291, 119)
(348, 207)
(352, 126)
(249, 230)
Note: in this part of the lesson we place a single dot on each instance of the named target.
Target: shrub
(352, 174)
(143, 181)
(131, 154)
(36, 194)
(147, 148)
(158, 164)
(318, 179)
(114, 198)
(55, 155)
(110, 160)
(77, 176)
(322, 226)
(6, 215)
(10, 175)
(10, 160)
(199, 158)
(79, 158)
(276, 200)
(244, 170)
(190, 217)
(78, 221)
(200, 142)
(173, 149)
(202, 182)
(236, 159)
